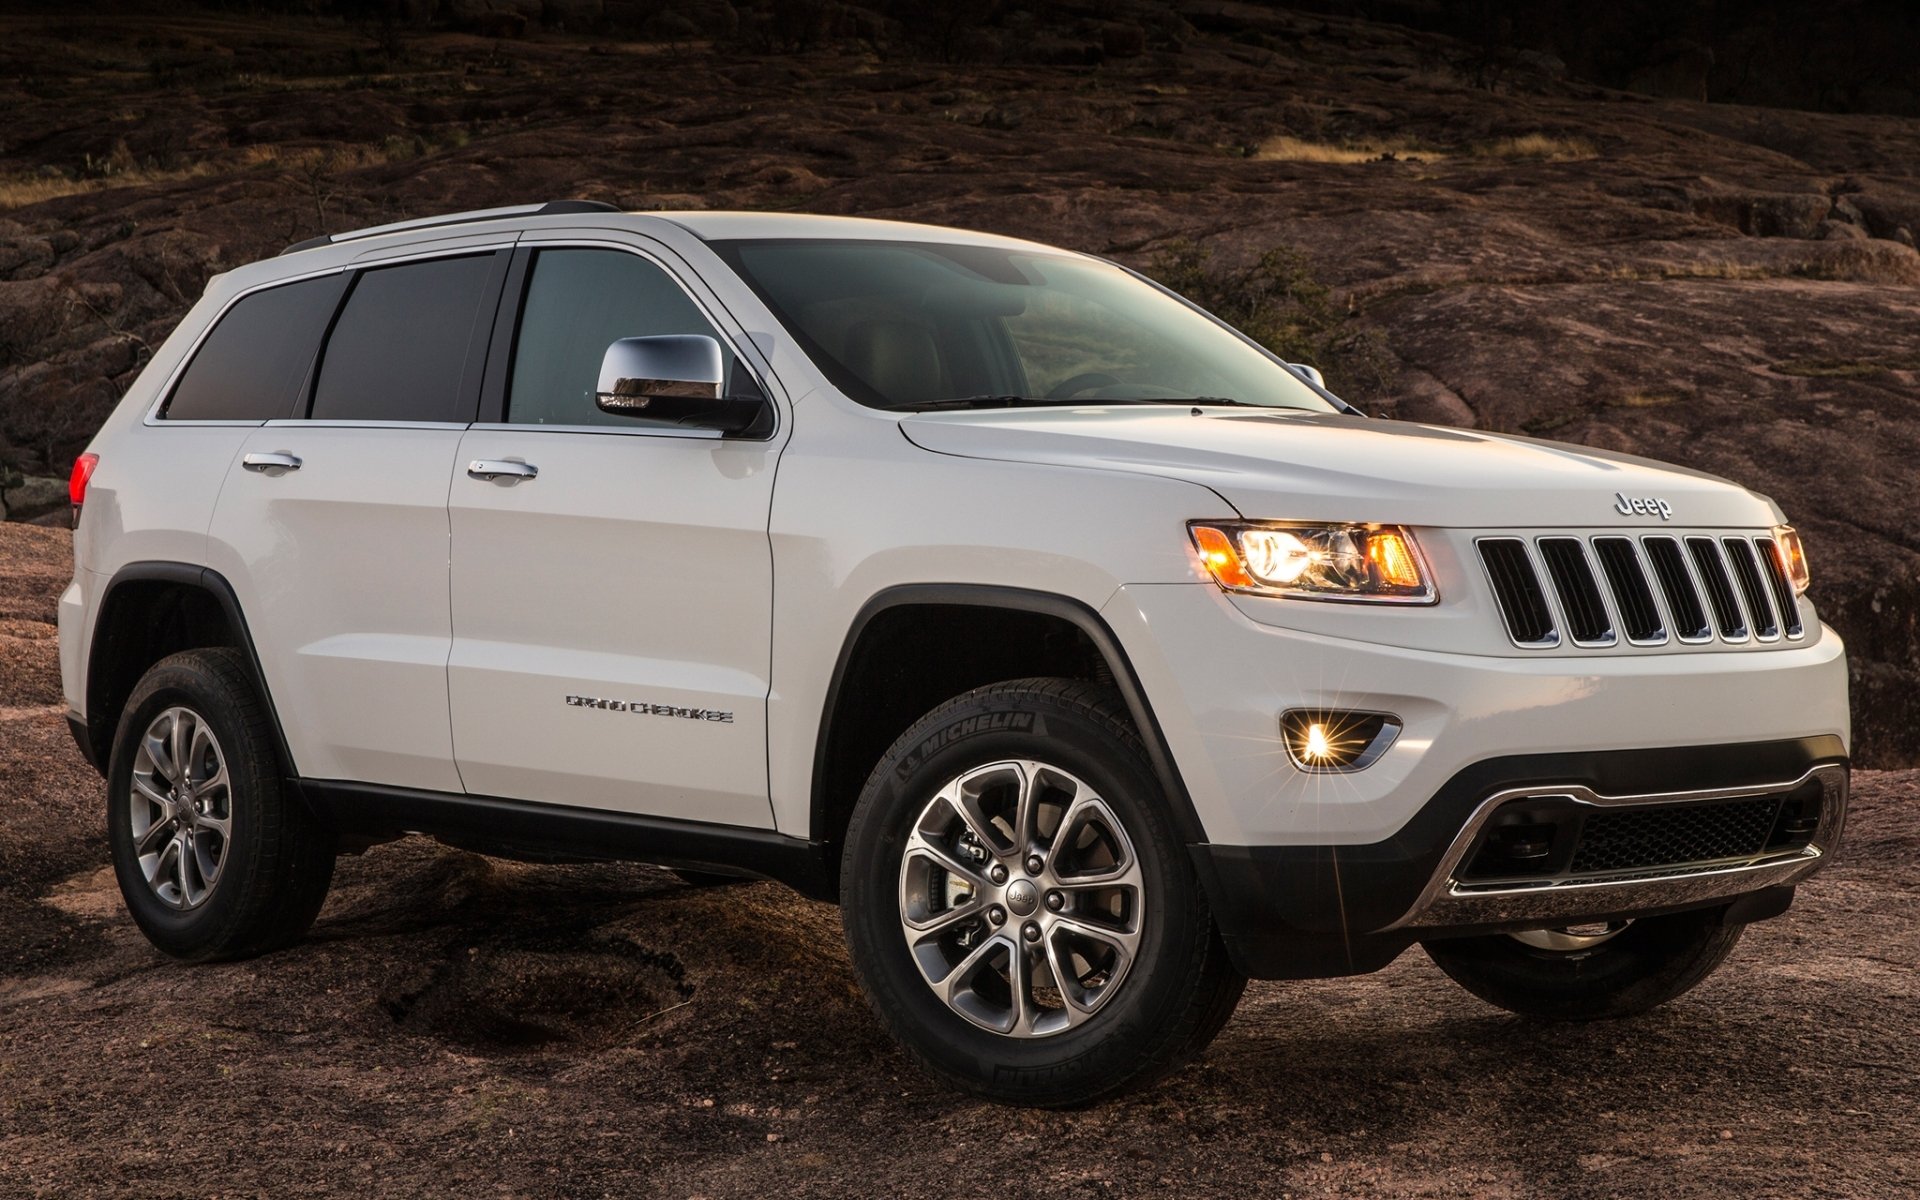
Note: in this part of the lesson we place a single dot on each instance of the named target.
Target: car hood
(1293, 465)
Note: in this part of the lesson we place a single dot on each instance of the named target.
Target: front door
(612, 580)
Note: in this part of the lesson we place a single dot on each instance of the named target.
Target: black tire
(1645, 965)
(278, 860)
(1180, 988)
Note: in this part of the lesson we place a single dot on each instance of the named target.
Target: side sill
(544, 832)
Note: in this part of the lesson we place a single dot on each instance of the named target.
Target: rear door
(611, 612)
(332, 525)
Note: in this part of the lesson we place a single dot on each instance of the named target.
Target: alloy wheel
(1022, 901)
(181, 804)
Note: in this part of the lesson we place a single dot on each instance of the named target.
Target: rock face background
(1735, 289)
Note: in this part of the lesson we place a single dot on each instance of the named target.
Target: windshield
(907, 325)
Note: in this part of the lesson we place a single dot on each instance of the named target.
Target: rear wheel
(1019, 909)
(1589, 972)
(214, 858)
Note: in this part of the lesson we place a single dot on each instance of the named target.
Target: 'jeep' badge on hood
(1642, 506)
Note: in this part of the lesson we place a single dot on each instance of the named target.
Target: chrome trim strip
(1612, 597)
(1553, 638)
(1733, 585)
(1754, 621)
(1445, 902)
(1600, 586)
(1693, 581)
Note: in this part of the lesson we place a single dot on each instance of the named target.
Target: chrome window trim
(367, 423)
(698, 435)
(1445, 901)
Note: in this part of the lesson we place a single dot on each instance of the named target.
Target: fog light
(1336, 740)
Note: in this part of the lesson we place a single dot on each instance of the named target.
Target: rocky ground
(459, 1025)
(1477, 242)
(1734, 289)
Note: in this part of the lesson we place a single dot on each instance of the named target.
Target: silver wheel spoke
(177, 747)
(1124, 943)
(202, 739)
(163, 868)
(920, 847)
(949, 987)
(964, 799)
(148, 792)
(1026, 824)
(183, 869)
(1026, 1011)
(155, 747)
(1078, 1008)
(152, 841)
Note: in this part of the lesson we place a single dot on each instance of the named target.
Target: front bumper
(1314, 874)
(1309, 911)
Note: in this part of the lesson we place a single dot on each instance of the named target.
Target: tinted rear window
(400, 346)
(251, 366)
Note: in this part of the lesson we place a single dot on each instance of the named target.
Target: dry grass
(1293, 149)
(20, 190)
(1529, 147)
(1539, 147)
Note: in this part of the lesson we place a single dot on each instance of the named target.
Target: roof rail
(550, 208)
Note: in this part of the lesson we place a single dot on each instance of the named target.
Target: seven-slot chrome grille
(1599, 590)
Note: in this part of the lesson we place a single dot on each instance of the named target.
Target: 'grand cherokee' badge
(642, 708)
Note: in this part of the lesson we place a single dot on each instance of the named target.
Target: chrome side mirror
(679, 379)
(636, 371)
(1311, 372)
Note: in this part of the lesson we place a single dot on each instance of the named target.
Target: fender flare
(1186, 817)
(99, 743)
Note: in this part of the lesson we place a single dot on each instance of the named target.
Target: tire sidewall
(183, 682)
(981, 730)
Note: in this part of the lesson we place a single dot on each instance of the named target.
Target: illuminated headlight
(1793, 558)
(1377, 563)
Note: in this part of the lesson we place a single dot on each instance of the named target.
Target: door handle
(270, 462)
(500, 468)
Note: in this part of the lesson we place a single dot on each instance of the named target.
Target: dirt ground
(457, 1025)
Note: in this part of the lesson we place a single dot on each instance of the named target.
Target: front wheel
(1592, 972)
(1019, 909)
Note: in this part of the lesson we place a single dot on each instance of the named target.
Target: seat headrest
(898, 359)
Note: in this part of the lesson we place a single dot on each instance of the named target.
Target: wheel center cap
(1022, 898)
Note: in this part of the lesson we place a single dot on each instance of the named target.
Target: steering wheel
(1076, 384)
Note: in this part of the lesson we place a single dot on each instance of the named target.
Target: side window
(399, 350)
(251, 366)
(579, 302)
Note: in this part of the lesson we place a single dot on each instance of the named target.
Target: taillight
(77, 482)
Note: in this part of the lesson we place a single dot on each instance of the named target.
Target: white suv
(1092, 658)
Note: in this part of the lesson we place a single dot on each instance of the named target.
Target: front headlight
(1379, 563)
